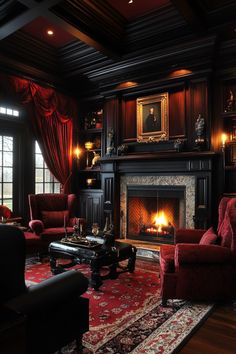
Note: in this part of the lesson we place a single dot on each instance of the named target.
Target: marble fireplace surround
(189, 182)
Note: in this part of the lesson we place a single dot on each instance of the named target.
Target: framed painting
(153, 118)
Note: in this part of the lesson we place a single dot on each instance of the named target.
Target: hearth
(154, 212)
(147, 200)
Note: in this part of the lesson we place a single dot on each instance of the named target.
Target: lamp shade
(88, 145)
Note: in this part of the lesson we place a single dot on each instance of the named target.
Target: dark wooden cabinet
(91, 206)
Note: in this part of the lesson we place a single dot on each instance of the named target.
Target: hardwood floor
(217, 335)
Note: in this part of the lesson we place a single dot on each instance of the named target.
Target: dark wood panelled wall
(186, 101)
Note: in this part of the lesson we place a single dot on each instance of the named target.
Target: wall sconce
(224, 138)
(77, 152)
(88, 146)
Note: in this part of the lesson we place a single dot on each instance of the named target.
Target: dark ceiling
(100, 42)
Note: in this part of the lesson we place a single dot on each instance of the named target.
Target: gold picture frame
(153, 118)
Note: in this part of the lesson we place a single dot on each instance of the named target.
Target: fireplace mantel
(198, 164)
(164, 155)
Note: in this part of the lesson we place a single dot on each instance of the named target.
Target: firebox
(154, 212)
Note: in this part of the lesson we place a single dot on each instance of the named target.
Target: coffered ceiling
(98, 41)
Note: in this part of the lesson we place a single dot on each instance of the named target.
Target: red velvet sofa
(195, 268)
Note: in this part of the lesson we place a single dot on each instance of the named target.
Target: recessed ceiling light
(50, 32)
(130, 1)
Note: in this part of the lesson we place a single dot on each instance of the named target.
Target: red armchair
(49, 213)
(196, 269)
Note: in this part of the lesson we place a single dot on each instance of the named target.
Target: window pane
(48, 177)
(38, 175)
(15, 113)
(44, 180)
(48, 188)
(57, 188)
(7, 143)
(3, 110)
(38, 188)
(9, 111)
(0, 158)
(7, 174)
(1, 193)
(8, 203)
(0, 143)
(39, 160)
(7, 158)
(37, 149)
(7, 190)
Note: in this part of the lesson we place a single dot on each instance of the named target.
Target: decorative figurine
(111, 142)
(178, 145)
(96, 159)
(230, 102)
(200, 132)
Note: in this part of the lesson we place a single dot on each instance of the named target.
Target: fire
(160, 220)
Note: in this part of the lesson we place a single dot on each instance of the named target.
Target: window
(9, 111)
(45, 182)
(6, 170)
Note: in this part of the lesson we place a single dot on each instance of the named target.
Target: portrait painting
(152, 117)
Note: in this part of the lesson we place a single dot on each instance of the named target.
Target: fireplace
(152, 207)
(154, 212)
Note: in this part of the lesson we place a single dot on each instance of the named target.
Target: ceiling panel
(137, 8)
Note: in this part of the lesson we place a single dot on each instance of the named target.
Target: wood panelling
(111, 119)
(177, 116)
(197, 103)
(177, 113)
(129, 123)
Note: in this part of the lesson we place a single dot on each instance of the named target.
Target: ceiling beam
(81, 35)
(36, 10)
(193, 17)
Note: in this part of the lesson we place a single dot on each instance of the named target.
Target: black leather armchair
(55, 313)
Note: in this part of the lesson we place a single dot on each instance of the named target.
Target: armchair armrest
(201, 254)
(36, 226)
(51, 293)
(188, 235)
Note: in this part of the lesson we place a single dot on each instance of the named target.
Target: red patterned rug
(126, 315)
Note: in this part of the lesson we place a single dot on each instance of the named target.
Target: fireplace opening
(154, 212)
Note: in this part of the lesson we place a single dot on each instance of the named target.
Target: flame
(160, 220)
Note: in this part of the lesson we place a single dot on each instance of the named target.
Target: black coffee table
(94, 255)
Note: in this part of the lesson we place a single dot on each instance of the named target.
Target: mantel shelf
(170, 155)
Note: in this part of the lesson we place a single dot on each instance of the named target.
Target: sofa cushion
(226, 233)
(209, 237)
(55, 218)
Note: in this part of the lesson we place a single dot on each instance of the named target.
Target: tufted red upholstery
(48, 213)
(193, 271)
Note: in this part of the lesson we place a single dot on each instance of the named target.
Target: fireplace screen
(154, 212)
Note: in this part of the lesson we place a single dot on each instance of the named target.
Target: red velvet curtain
(52, 116)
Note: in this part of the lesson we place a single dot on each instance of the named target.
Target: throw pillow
(55, 218)
(226, 233)
(209, 237)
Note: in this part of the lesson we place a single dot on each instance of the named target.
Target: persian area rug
(126, 315)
